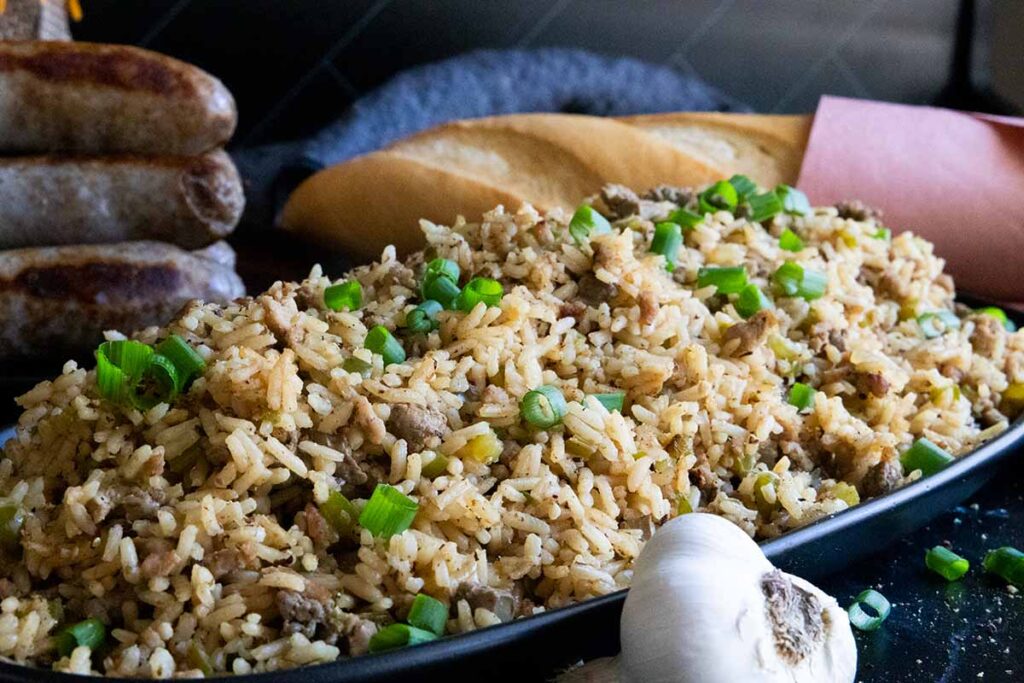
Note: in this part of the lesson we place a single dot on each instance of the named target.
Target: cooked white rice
(192, 531)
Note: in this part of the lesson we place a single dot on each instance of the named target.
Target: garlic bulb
(707, 606)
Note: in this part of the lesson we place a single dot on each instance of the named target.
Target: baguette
(767, 148)
(190, 201)
(467, 167)
(97, 99)
(58, 300)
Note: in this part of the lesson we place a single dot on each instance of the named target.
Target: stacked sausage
(114, 192)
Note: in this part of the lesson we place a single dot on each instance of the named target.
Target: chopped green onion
(89, 633)
(878, 604)
(441, 290)
(12, 518)
(882, 234)
(158, 384)
(1006, 562)
(846, 493)
(388, 512)
(543, 407)
(946, 563)
(666, 241)
(686, 218)
(586, 221)
(187, 361)
(611, 401)
(436, 467)
(793, 200)
(119, 366)
(790, 241)
(358, 365)
(726, 280)
(796, 281)
(441, 281)
(480, 289)
(801, 396)
(1000, 315)
(751, 300)
(925, 456)
(339, 512)
(720, 196)
(423, 318)
(764, 206)
(743, 185)
(399, 635)
(428, 614)
(381, 341)
(347, 295)
(683, 506)
(937, 323)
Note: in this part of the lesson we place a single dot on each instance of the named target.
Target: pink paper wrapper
(956, 179)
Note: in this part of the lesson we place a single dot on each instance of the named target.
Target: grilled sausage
(59, 300)
(53, 200)
(34, 20)
(96, 99)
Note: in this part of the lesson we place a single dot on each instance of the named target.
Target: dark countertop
(968, 630)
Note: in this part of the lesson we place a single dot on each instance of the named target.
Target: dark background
(294, 65)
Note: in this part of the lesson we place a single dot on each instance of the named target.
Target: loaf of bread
(547, 160)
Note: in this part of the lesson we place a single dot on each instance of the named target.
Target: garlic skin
(706, 606)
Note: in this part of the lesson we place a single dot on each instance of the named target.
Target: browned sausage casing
(93, 98)
(59, 300)
(190, 201)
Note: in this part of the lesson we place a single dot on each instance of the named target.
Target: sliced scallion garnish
(720, 196)
(611, 401)
(90, 633)
(480, 289)
(586, 221)
(790, 241)
(1006, 562)
(395, 636)
(381, 341)
(743, 185)
(793, 200)
(666, 241)
(428, 614)
(751, 300)
(925, 456)
(1000, 315)
(543, 407)
(730, 280)
(339, 512)
(686, 218)
(441, 281)
(801, 396)
(346, 296)
(877, 603)
(187, 360)
(946, 563)
(764, 206)
(388, 512)
(794, 280)
(936, 323)
(423, 318)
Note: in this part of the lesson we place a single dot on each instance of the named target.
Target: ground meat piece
(621, 200)
(648, 307)
(952, 371)
(223, 562)
(417, 424)
(349, 470)
(644, 523)
(881, 478)
(365, 417)
(594, 292)
(317, 528)
(750, 334)
(107, 609)
(667, 193)
(873, 383)
(139, 503)
(857, 210)
(159, 564)
(987, 336)
(301, 614)
(501, 602)
(572, 309)
(837, 338)
(893, 285)
(7, 589)
(623, 203)
(278, 318)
